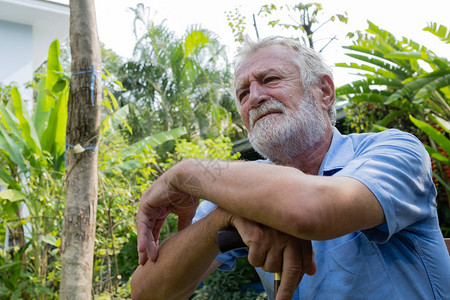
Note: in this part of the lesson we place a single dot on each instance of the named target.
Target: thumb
(312, 269)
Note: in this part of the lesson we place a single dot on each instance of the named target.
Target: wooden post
(78, 235)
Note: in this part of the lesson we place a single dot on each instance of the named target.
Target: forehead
(276, 57)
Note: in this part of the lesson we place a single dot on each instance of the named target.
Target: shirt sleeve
(396, 167)
(227, 259)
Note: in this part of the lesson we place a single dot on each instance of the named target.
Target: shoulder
(390, 141)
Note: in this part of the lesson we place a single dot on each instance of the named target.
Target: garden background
(173, 100)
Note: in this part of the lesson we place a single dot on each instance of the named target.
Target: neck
(309, 161)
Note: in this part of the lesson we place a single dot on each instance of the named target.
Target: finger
(156, 230)
(152, 249)
(274, 261)
(287, 289)
(308, 262)
(292, 274)
(256, 256)
(143, 258)
(148, 222)
(312, 268)
(142, 224)
(153, 238)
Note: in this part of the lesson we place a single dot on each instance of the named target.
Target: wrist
(221, 218)
(183, 178)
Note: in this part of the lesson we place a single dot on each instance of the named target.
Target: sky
(403, 18)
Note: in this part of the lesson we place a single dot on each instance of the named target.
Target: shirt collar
(341, 151)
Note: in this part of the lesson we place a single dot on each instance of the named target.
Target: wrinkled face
(270, 73)
(282, 119)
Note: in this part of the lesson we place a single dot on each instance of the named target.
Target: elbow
(315, 225)
(136, 290)
(141, 288)
(304, 227)
(148, 287)
(309, 212)
(303, 222)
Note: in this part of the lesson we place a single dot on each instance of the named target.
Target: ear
(327, 94)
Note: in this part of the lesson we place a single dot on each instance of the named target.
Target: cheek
(244, 111)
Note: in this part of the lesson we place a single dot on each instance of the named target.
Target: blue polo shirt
(404, 258)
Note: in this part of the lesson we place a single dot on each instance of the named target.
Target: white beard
(281, 137)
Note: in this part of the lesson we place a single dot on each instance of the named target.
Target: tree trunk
(78, 236)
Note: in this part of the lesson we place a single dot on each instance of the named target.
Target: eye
(242, 95)
(269, 79)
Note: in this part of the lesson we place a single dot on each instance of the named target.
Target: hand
(161, 199)
(275, 251)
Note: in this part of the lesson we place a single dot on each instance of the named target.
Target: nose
(257, 95)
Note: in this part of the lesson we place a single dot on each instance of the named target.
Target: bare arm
(305, 206)
(184, 261)
(188, 257)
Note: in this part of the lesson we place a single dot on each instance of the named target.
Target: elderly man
(342, 217)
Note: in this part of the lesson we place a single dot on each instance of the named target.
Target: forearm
(253, 191)
(301, 205)
(182, 261)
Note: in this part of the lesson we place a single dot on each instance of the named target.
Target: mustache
(270, 106)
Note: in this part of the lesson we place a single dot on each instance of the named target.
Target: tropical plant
(241, 284)
(126, 171)
(32, 152)
(173, 82)
(304, 20)
(405, 86)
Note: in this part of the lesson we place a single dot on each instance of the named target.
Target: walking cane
(229, 239)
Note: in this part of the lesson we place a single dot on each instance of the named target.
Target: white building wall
(27, 28)
(16, 55)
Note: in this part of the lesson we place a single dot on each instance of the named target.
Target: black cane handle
(229, 239)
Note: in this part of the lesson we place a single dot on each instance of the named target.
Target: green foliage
(32, 155)
(219, 148)
(404, 86)
(303, 20)
(236, 285)
(176, 82)
(126, 171)
(441, 32)
(124, 176)
(5, 93)
(188, 80)
(17, 280)
(236, 21)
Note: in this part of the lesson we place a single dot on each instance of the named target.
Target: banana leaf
(439, 156)
(54, 137)
(12, 195)
(28, 132)
(434, 134)
(112, 122)
(12, 150)
(45, 100)
(9, 123)
(158, 139)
